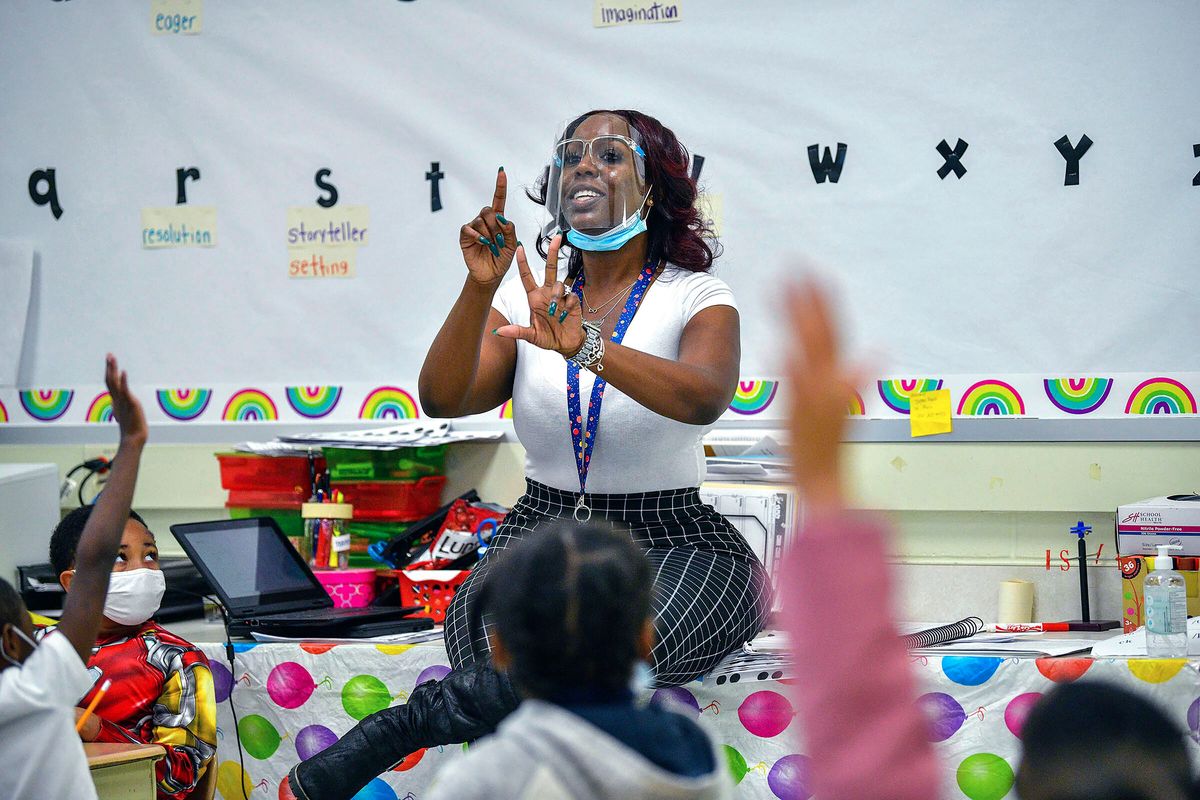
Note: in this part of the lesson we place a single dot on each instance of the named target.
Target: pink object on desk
(349, 588)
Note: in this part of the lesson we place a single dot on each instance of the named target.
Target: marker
(87, 712)
(1026, 627)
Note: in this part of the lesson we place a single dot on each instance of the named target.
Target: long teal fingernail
(503, 221)
(500, 170)
(563, 316)
(495, 250)
(519, 243)
(485, 240)
(500, 240)
(553, 308)
(494, 331)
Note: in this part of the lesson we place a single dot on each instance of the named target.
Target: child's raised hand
(127, 410)
(820, 387)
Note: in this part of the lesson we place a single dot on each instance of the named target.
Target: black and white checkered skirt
(711, 593)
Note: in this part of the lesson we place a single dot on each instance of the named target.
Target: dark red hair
(677, 232)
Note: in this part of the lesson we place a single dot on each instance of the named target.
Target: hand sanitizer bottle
(1166, 608)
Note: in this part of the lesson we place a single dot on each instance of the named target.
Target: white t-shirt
(41, 755)
(636, 449)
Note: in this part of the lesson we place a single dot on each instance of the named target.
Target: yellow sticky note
(176, 17)
(322, 262)
(929, 413)
(179, 226)
(606, 13)
(712, 208)
(340, 226)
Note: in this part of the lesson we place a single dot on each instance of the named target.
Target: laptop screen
(249, 562)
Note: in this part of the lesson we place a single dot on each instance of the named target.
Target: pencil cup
(326, 541)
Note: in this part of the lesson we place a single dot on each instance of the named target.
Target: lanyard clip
(582, 513)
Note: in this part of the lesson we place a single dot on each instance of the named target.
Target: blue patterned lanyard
(583, 437)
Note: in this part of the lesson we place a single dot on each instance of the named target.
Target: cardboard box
(1133, 577)
(1159, 520)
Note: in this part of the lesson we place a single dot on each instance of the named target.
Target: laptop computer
(266, 586)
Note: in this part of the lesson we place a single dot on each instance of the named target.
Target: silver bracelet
(592, 351)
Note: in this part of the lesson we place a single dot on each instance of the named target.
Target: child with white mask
(40, 682)
(162, 688)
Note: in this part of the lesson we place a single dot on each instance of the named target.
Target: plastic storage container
(432, 588)
(394, 501)
(349, 588)
(290, 522)
(405, 464)
(266, 473)
(267, 498)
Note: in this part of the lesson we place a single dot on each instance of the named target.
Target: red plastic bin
(269, 499)
(393, 501)
(432, 588)
(242, 471)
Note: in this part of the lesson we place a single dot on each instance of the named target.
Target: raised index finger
(552, 261)
(501, 191)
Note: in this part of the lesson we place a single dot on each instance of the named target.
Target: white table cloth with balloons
(294, 699)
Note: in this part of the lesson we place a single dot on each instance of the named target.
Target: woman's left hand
(555, 316)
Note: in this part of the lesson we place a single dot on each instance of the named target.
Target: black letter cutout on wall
(953, 159)
(181, 176)
(697, 165)
(1196, 153)
(1072, 156)
(322, 184)
(434, 175)
(50, 195)
(826, 166)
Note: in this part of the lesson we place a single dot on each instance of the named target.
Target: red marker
(1026, 627)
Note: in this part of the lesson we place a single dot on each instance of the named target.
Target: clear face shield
(597, 181)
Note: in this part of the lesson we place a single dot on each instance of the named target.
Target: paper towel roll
(1016, 601)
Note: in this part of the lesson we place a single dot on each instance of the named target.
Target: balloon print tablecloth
(293, 700)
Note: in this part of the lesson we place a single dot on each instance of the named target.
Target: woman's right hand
(489, 241)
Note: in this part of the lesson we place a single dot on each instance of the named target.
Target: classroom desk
(123, 771)
(291, 698)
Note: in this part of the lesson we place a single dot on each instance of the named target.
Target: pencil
(87, 712)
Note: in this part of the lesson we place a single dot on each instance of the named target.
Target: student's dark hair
(569, 602)
(678, 232)
(1097, 741)
(65, 538)
(12, 608)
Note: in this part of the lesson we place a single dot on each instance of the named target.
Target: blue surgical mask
(614, 239)
(24, 637)
(643, 677)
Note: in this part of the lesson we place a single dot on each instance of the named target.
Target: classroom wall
(967, 515)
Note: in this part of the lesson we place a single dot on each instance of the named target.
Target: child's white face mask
(25, 638)
(134, 595)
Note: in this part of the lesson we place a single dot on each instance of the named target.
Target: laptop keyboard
(330, 614)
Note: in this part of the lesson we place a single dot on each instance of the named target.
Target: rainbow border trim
(46, 405)
(250, 405)
(313, 401)
(388, 402)
(1077, 395)
(183, 404)
(506, 410)
(3, 412)
(897, 393)
(991, 398)
(753, 397)
(855, 407)
(1161, 396)
(101, 409)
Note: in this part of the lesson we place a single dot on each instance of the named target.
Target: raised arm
(465, 371)
(101, 536)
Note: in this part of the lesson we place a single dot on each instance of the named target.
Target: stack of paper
(413, 433)
(761, 461)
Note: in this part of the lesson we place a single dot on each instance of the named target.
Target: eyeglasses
(608, 149)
